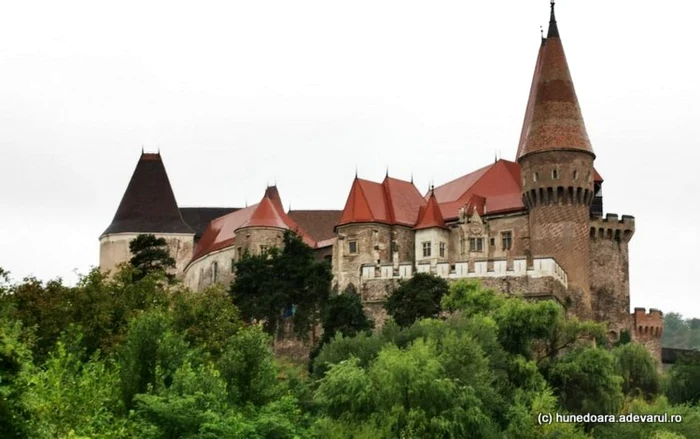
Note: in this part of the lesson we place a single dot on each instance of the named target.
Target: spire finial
(355, 172)
(411, 176)
(142, 149)
(553, 30)
(387, 171)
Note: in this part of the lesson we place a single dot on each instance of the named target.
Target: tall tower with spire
(147, 207)
(556, 159)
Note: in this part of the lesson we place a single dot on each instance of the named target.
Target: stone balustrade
(541, 267)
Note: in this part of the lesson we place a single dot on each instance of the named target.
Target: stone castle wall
(558, 190)
(373, 244)
(609, 271)
(647, 329)
(114, 249)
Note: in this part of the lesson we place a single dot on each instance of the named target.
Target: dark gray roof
(148, 205)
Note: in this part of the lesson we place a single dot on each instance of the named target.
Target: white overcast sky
(237, 94)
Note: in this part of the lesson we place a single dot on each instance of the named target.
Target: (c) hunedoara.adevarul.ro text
(631, 418)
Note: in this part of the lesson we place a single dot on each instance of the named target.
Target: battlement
(611, 227)
(650, 325)
(492, 268)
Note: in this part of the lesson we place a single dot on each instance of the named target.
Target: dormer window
(555, 174)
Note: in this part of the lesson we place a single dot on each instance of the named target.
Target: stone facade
(114, 249)
(609, 270)
(647, 329)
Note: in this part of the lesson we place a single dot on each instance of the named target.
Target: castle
(534, 226)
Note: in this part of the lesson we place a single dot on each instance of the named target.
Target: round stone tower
(556, 160)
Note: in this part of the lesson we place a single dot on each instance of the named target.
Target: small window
(555, 174)
(492, 241)
(575, 175)
(476, 244)
(589, 178)
(233, 265)
(507, 240)
(214, 271)
(442, 249)
(264, 248)
(240, 253)
(535, 176)
(426, 249)
(352, 247)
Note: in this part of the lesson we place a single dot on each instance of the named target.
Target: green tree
(683, 380)
(207, 319)
(75, 395)
(150, 255)
(15, 358)
(282, 281)
(419, 297)
(344, 313)
(586, 381)
(151, 345)
(637, 369)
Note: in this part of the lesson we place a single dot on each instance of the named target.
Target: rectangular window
(507, 240)
(233, 265)
(476, 244)
(240, 253)
(442, 249)
(352, 247)
(263, 248)
(214, 271)
(426, 249)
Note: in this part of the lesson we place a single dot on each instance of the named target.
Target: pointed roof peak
(148, 204)
(273, 194)
(553, 31)
(553, 119)
(430, 216)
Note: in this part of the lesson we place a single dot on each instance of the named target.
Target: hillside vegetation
(137, 355)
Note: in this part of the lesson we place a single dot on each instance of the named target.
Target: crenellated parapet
(648, 325)
(612, 227)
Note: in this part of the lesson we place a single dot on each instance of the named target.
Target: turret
(432, 235)
(556, 159)
(147, 207)
(647, 329)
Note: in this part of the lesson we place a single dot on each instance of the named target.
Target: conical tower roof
(553, 119)
(429, 215)
(148, 205)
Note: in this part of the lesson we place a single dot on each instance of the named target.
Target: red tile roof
(266, 214)
(404, 200)
(429, 216)
(497, 186)
(222, 231)
(391, 202)
(318, 224)
(553, 119)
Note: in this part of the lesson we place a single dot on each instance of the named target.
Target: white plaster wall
(435, 236)
(114, 249)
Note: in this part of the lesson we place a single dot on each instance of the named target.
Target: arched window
(555, 174)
